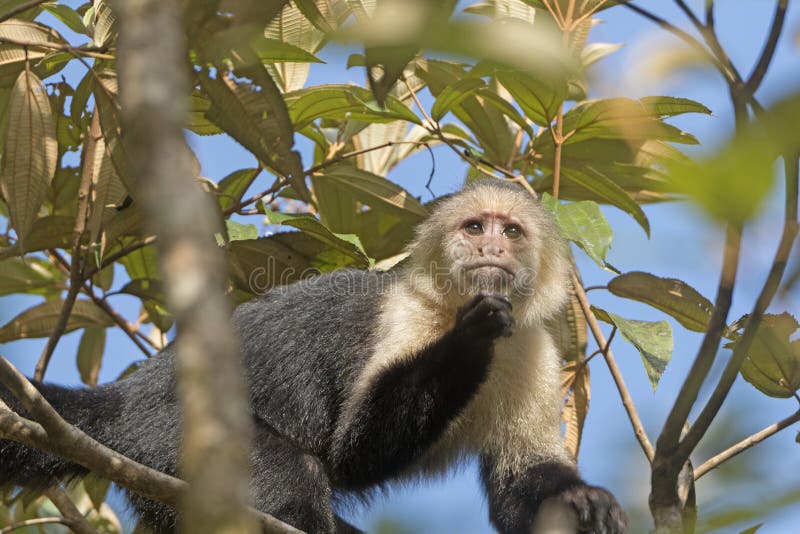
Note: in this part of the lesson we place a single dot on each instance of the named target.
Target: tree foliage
(517, 105)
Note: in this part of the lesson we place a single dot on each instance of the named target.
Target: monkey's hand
(598, 510)
(485, 317)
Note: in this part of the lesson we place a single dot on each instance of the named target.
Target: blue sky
(684, 244)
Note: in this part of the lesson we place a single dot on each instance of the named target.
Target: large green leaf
(375, 191)
(453, 94)
(293, 28)
(40, 320)
(90, 354)
(258, 119)
(605, 190)
(772, 364)
(538, 99)
(653, 340)
(32, 276)
(68, 16)
(584, 224)
(343, 102)
(13, 57)
(669, 106)
(346, 243)
(30, 151)
(246, 45)
(674, 297)
(231, 188)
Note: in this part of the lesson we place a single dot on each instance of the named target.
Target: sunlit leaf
(673, 297)
(13, 57)
(40, 320)
(246, 45)
(653, 340)
(584, 224)
(238, 231)
(453, 94)
(29, 152)
(90, 354)
(669, 106)
(96, 488)
(231, 188)
(538, 99)
(68, 16)
(594, 52)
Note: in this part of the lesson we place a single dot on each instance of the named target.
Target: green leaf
(345, 243)
(40, 320)
(142, 263)
(753, 529)
(539, 100)
(145, 289)
(293, 28)
(246, 45)
(106, 185)
(584, 224)
(375, 191)
(772, 364)
(197, 121)
(343, 102)
(669, 106)
(603, 189)
(673, 297)
(68, 16)
(33, 276)
(619, 118)
(653, 340)
(314, 15)
(238, 231)
(30, 152)
(13, 57)
(90, 354)
(231, 188)
(453, 94)
(54, 231)
(259, 120)
(109, 112)
(96, 488)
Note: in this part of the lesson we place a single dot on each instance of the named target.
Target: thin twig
(279, 184)
(760, 70)
(745, 444)
(74, 518)
(90, 51)
(689, 13)
(710, 14)
(34, 522)
(354, 153)
(126, 327)
(21, 9)
(627, 400)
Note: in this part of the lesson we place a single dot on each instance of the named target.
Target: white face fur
(494, 238)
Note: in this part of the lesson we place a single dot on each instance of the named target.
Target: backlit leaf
(90, 354)
(40, 320)
(29, 152)
(584, 224)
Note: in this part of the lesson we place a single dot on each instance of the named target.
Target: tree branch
(49, 432)
(34, 522)
(627, 400)
(760, 70)
(73, 517)
(731, 371)
(745, 444)
(671, 432)
(216, 416)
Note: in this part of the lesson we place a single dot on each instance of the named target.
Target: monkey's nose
(490, 249)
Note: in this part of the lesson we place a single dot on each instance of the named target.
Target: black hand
(598, 510)
(485, 317)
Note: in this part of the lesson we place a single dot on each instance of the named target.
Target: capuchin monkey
(361, 378)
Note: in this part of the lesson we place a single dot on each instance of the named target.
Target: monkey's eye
(512, 231)
(473, 228)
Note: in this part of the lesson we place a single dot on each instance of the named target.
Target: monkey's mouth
(493, 268)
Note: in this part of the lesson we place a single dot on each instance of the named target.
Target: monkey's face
(485, 251)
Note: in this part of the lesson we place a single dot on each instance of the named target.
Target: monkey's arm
(408, 406)
(516, 496)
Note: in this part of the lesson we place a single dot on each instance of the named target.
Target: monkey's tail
(24, 466)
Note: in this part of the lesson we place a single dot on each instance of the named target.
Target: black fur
(300, 362)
